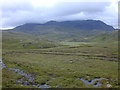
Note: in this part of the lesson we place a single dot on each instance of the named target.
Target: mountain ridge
(65, 30)
(76, 24)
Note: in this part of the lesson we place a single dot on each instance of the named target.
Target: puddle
(44, 86)
(2, 66)
(92, 82)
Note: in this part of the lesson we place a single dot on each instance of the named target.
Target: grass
(74, 43)
(62, 66)
(15, 41)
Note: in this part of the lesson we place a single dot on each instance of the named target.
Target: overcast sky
(17, 12)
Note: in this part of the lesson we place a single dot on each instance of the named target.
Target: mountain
(66, 30)
(65, 25)
(83, 24)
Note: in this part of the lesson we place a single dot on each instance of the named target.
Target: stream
(29, 78)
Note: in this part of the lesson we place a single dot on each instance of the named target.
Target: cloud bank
(17, 12)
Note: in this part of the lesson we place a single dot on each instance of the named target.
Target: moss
(95, 82)
(42, 79)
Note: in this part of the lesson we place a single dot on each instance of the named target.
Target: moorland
(70, 54)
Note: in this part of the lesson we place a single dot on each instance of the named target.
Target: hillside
(77, 31)
(78, 25)
(17, 40)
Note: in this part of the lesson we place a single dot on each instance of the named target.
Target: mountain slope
(77, 30)
(87, 25)
(18, 40)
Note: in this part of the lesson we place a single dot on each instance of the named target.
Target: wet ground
(2, 65)
(92, 82)
(29, 79)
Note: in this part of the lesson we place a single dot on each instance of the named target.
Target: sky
(17, 12)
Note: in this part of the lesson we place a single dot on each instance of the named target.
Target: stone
(108, 85)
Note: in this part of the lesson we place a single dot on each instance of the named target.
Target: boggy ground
(66, 66)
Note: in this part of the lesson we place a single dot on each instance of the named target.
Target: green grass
(74, 43)
(61, 66)
(15, 41)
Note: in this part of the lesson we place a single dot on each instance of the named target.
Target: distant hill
(78, 30)
(87, 25)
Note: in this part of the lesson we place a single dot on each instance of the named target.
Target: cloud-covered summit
(17, 12)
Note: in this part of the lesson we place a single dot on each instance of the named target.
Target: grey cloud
(14, 14)
(71, 8)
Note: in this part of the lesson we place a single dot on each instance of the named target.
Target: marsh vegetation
(58, 64)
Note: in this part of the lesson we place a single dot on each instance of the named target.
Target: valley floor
(82, 65)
